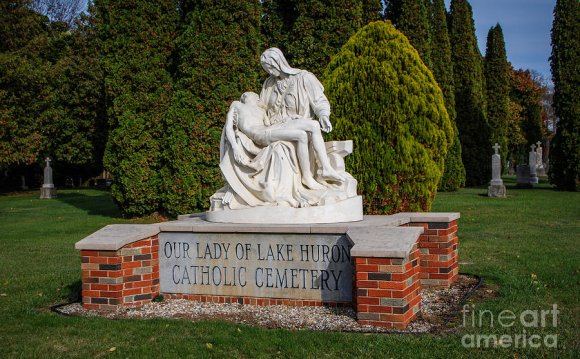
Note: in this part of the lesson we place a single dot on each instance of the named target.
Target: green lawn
(525, 247)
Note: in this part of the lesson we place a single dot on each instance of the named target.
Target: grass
(525, 247)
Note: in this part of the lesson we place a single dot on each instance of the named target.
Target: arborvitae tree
(277, 22)
(442, 67)
(474, 131)
(526, 93)
(137, 42)
(218, 60)
(565, 60)
(372, 11)
(321, 28)
(385, 99)
(411, 17)
(497, 80)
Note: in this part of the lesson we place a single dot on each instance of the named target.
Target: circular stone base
(348, 210)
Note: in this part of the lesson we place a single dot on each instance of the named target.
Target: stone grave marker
(532, 164)
(496, 187)
(48, 190)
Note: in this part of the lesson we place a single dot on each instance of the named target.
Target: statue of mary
(275, 163)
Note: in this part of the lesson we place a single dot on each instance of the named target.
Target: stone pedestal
(47, 192)
(497, 191)
(378, 265)
(496, 188)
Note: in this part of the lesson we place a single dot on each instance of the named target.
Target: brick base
(439, 253)
(125, 277)
(388, 290)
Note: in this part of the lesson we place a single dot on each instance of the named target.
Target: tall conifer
(218, 59)
(442, 67)
(565, 61)
(411, 17)
(137, 39)
(497, 82)
(320, 29)
(474, 131)
(277, 22)
(372, 10)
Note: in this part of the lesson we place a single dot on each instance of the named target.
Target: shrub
(385, 99)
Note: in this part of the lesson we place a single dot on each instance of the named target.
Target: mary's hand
(325, 124)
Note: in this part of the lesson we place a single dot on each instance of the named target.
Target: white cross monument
(496, 187)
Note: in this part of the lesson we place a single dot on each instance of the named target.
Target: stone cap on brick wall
(392, 242)
(115, 236)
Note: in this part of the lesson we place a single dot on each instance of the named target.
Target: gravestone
(47, 190)
(523, 176)
(496, 188)
(532, 164)
(540, 168)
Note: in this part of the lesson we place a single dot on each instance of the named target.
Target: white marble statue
(272, 154)
(540, 169)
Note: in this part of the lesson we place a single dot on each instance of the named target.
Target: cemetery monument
(496, 187)
(540, 168)
(286, 228)
(48, 190)
(532, 162)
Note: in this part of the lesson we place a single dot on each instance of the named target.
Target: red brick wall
(438, 247)
(388, 290)
(128, 276)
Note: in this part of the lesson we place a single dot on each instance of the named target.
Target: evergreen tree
(372, 11)
(384, 98)
(218, 54)
(474, 131)
(277, 22)
(411, 17)
(565, 60)
(442, 67)
(498, 88)
(137, 43)
(320, 29)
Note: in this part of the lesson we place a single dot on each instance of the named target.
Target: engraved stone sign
(290, 266)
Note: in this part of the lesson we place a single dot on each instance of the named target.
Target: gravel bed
(438, 306)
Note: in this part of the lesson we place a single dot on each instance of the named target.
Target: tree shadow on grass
(74, 291)
(94, 202)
